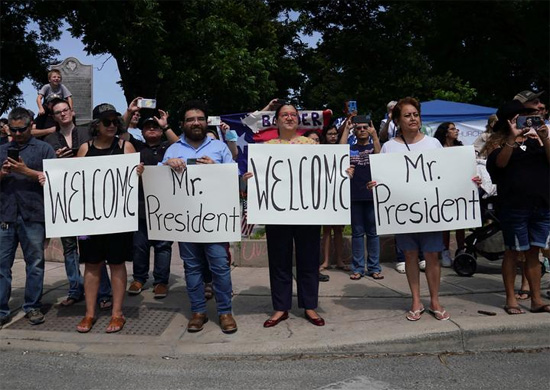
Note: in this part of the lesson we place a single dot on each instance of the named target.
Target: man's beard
(195, 136)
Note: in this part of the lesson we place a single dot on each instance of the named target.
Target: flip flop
(415, 315)
(69, 301)
(440, 315)
(541, 309)
(355, 276)
(513, 310)
(377, 276)
(105, 304)
(523, 295)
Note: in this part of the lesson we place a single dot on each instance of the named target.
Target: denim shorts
(425, 242)
(523, 229)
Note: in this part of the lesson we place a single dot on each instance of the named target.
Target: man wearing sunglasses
(22, 213)
(66, 141)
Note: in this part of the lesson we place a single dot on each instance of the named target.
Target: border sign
(91, 195)
(200, 204)
(425, 191)
(298, 184)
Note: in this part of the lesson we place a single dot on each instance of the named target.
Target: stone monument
(78, 78)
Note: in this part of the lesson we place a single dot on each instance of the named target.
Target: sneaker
(446, 260)
(160, 291)
(35, 317)
(135, 288)
(422, 265)
(400, 267)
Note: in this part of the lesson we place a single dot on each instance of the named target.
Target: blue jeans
(72, 267)
(163, 256)
(31, 236)
(104, 292)
(197, 256)
(363, 222)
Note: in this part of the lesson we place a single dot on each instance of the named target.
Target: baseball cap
(509, 110)
(52, 97)
(150, 120)
(525, 96)
(103, 110)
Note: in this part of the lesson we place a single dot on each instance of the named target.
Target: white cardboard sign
(298, 184)
(200, 204)
(91, 195)
(425, 191)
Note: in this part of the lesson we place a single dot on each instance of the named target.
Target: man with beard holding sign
(195, 147)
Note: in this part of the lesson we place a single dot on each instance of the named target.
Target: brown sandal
(116, 324)
(86, 324)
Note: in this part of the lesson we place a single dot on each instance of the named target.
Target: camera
(352, 106)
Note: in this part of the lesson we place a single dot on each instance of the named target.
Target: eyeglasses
(361, 127)
(289, 115)
(196, 118)
(64, 111)
(107, 122)
(18, 129)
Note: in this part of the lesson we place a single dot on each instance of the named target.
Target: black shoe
(323, 278)
(4, 320)
(35, 317)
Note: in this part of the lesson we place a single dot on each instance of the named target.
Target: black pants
(280, 240)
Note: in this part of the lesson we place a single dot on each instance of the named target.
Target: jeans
(104, 293)
(363, 222)
(31, 236)
(72, 267)
(163, 256)
(196, 257)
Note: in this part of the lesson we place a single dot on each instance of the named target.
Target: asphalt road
(23, 370)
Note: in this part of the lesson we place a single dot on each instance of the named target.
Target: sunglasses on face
(107, 122)
(18, 129)
(361, 127)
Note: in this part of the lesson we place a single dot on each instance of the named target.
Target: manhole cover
(142, 321)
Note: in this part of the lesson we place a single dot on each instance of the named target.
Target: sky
(105, 88)
(105, 76)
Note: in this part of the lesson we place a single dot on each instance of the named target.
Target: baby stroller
(486, 241)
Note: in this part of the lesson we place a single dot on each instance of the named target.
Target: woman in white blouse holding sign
(406, 115)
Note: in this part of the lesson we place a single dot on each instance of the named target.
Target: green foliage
(24, 52)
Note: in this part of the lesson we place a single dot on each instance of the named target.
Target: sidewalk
(364, 316)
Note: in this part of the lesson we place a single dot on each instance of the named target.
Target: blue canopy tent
(469, 118)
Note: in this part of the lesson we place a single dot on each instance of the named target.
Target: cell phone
(352, 106)
(532, 121)
(214, 121)
(360, 119)
(191, 161)
(147, 103)
(13, 154)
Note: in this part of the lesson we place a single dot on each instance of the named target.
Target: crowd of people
(517, 160)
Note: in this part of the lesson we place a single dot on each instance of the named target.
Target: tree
(377, 51)
(24, 51)
(225, 51)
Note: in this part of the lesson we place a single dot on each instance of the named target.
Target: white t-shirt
(425, 143)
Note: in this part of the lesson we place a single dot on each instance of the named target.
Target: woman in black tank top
(113, 249)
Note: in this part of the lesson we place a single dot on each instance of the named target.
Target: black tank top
(113, 149)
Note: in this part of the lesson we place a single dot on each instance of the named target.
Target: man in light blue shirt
(194, 147)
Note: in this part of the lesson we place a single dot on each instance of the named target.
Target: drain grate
(142, 321)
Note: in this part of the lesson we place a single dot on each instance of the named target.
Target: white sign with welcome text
(298, 184)
(91, 195)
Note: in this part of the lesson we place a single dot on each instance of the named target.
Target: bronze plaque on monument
(78, 78)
